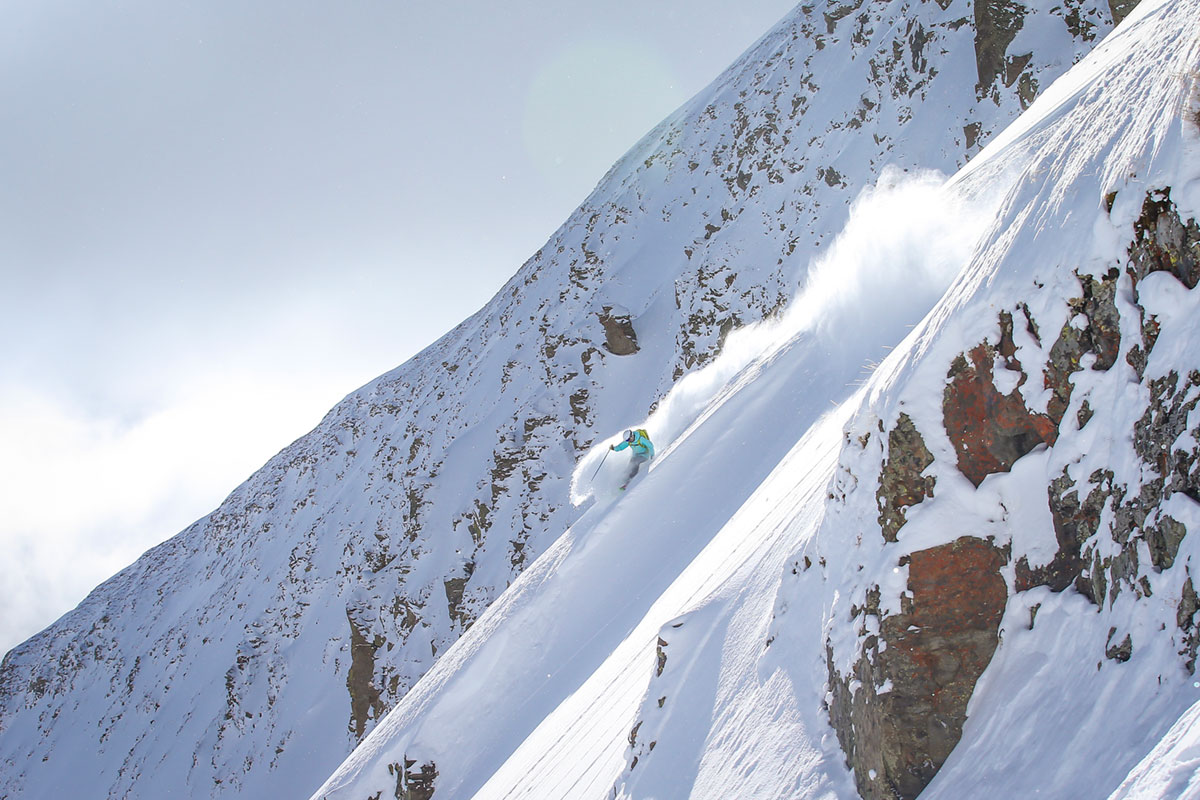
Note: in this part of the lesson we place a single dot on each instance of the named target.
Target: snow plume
(905, 240)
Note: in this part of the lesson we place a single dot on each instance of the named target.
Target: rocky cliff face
(930, 654)
(1074, 390)
(270, 637)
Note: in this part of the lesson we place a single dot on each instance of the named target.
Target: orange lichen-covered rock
(989, 430)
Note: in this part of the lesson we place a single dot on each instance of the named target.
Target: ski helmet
(629, 436)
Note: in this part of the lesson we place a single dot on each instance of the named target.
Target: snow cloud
(906, 239)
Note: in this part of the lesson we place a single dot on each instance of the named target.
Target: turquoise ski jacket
(641, 445)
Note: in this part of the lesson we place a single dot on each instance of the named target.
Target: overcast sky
(219, 218)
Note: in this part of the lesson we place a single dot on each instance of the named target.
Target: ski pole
(597, 472)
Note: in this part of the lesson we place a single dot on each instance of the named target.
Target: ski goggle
(629, 437)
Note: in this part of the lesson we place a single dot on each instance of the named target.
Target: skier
(643, 451)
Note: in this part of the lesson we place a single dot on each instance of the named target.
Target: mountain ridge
(952, 540)
(344, 567)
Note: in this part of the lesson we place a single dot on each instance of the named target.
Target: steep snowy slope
(249, 654)
(814, 576)
(580, 625)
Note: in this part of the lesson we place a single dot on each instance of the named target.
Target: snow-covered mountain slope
(969, 577)
(250, 653)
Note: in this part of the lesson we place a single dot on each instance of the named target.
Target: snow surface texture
(1172, 768)
(250, 654)
(672, 644)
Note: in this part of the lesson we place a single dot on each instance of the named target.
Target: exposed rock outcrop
(900, 711)
(365, 701)
(1164, 241)
(1095, 328)
(414, 781)
(1185, 618)
(914, 679)
(1075, 522)
(989, 430)
(901, 483)
(620, 338)
(1121, 8)
(996, 25)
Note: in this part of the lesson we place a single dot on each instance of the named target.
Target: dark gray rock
(901, 483)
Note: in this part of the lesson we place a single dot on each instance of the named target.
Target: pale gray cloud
(216, 219)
